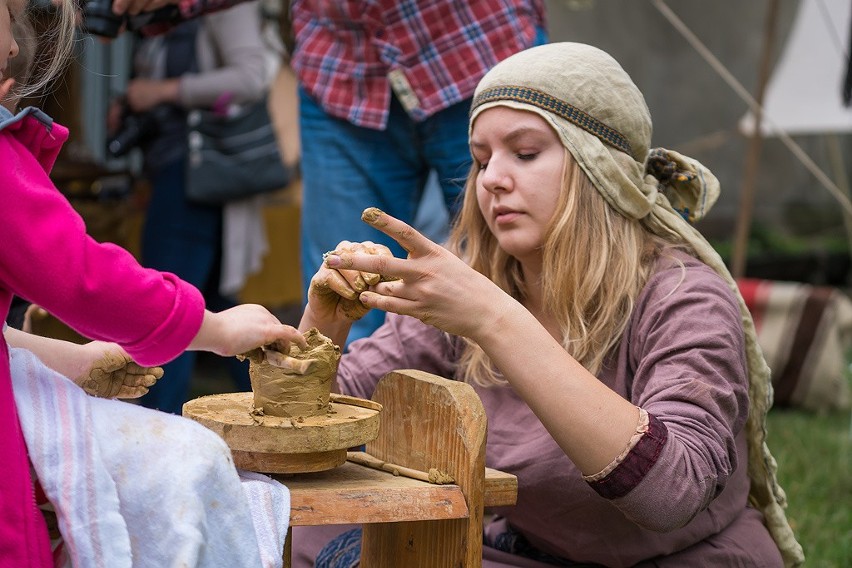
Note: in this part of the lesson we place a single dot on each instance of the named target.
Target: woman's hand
(115, 115)
(144, 94)
(432, 284)
(107, 371)
(333, 293)
(242, 328)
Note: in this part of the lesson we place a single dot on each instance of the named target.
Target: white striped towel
(134, 487)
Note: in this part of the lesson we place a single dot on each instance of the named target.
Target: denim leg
(343, 551)
(346, 169)
(185, 239)
(432, 219)
(445, 147)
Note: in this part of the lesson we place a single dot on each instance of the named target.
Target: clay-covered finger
(375, 249)
(407, 236)
(336, 283)
(353, 309)
(140, 380)
(289, 335)
(388, 267)
(355, 278)
(132, 392)
(390, 288)
(371, 278)
(135, 368)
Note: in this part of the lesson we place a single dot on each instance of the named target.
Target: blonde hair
(43, 56)
(595, 264)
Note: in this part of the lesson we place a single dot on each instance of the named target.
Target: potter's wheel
(274, 444)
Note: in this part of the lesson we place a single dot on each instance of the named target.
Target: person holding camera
(212, 62)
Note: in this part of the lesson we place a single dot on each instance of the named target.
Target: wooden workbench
(427, 423)
(353, 493)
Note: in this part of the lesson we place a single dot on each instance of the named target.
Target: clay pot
(284, 392)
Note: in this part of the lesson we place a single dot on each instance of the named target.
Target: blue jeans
(185, 239)
(347, 168)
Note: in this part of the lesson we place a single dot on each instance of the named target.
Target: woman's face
(520, 160)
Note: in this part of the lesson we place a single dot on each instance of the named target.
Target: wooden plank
(501, 488)
(430, 422)
(353, 493)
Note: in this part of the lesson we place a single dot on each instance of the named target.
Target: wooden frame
(428, 423)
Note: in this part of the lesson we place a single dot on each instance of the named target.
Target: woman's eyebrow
(519, 133)
(508, 138)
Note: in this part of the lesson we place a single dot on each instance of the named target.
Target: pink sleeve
(97, 289)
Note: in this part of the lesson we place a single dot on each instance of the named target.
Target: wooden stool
(428, 423)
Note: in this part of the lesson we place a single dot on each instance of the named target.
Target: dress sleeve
(97, 289)
(245, 65)
(402, 342)
(685, 351)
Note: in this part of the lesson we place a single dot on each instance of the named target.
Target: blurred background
(796, 227)
(783, 216)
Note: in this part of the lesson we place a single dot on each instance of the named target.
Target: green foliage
(764, 240)
(814, 453)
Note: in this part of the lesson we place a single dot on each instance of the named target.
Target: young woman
(615, 359)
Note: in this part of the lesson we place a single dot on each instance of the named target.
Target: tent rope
(753, 105)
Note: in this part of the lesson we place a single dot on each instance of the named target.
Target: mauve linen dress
(682, 360)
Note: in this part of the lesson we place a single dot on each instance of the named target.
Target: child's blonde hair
(42, 56)
(20, 66)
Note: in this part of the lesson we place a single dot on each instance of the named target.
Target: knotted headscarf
(602, 119)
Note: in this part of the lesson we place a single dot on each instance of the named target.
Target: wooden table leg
(430, 423)
(288, 548)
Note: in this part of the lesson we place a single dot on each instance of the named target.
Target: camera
(98, 18)
(136, 129)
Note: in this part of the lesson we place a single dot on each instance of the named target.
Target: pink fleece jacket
(98, 289)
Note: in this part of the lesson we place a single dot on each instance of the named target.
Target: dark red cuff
(636, 464)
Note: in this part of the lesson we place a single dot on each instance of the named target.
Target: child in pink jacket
(97, 289)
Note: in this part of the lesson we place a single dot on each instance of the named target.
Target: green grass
(814, 453)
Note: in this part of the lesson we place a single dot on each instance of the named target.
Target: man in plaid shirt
(385, 88)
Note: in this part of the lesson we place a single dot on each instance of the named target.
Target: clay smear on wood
(298, 388)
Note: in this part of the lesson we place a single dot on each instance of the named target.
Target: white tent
(804, 93)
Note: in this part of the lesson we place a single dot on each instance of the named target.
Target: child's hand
(109, 372)
(333, 293)
(242, 328)
(144, 94)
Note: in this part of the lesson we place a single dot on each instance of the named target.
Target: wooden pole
(743, 228)
(835, 157)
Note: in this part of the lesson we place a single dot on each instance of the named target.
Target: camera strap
(180, 49)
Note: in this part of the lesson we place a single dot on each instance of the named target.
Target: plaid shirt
(350, 54)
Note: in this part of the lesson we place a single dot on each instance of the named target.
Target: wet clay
(287, 393)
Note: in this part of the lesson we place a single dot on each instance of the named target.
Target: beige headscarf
(602, 119)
